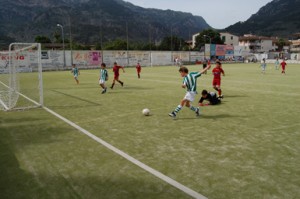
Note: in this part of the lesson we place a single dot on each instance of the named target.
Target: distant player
(116, 69)
(283, 65)
(204, 65)
(208, 62)
(138, 70)
(103, 78)
(190, 83)
(75, 72)
(263, 66)
(217, 71)
(211, 97)
(277, 64)
(177, 61)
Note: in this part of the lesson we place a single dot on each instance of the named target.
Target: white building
(258, 44)
(229, 39)
(295, 46)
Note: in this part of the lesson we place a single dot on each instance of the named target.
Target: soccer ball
(146, 112)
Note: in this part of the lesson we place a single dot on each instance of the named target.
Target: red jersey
(116, 70)
(283, 64)
(138, 67)
(217, 72)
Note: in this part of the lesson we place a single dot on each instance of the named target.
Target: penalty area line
(131, 159)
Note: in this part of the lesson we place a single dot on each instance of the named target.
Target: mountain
(277, 18)
(23, 20)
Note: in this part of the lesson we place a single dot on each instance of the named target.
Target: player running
(116, 69)
(211, 97)
(190, 83)
(217, 71)
(75, 72)
(103, 78)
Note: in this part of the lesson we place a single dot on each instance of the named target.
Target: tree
(172, 43)
(42, 39)
(208, 36)
(57, 37)
(117, 44)
(281, 43)
(5, 41)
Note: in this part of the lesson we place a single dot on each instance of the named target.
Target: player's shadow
(221, 116)
(76, 97)
(137, 88)
(235, 96)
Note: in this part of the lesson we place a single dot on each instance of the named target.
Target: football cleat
(173, 115)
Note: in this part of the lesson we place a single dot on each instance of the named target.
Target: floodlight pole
(206, 36)
(172, 59)
(71, 48)
(150, 42)
(63, 39)
(127, 42)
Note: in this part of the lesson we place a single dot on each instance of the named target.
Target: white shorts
(190, 96)
(101, 81)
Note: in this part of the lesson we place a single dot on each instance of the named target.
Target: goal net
(21, 84)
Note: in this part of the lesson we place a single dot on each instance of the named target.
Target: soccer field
(247, 147)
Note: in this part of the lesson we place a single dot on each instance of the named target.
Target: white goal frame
(12, 77)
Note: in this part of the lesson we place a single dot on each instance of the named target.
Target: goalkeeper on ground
(211, 97)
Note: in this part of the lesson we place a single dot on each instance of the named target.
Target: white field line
(31, 100)
(154, 172)
(3, 104)
(131, 159)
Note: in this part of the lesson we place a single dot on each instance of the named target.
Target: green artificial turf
(247, 147)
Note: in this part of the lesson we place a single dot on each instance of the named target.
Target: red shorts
(283, 67)
(116, 76)
(216, 82)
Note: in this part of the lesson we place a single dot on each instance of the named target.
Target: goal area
(21, 83)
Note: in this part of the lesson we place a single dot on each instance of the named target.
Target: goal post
(21, 80)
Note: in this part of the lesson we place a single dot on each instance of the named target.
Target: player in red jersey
(138, 69)
(116, 69)
(217, 71)
(283, 64)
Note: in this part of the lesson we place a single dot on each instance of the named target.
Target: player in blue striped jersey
(103, 77)
(190, 83)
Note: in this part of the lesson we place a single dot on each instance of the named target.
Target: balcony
(295, 50)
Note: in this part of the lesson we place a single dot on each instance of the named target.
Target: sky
(218, 14)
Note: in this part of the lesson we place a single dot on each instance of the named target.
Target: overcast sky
(217, 13)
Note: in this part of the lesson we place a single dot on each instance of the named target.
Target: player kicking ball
(190, 83)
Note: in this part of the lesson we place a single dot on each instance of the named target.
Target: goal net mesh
(21, 77)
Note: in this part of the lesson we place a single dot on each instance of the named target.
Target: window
(223, 38)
